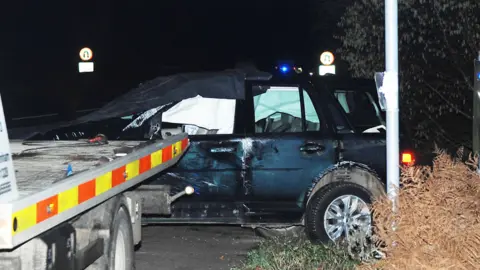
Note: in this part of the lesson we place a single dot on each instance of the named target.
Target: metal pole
(476, 109)
(391, 98)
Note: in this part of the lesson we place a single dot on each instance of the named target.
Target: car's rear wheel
(338, 211)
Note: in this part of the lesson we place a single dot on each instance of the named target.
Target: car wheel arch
(354, 172)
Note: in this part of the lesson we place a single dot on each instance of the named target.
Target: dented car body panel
(279, 164)
(213, 166)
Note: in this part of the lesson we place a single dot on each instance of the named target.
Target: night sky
(134, 41)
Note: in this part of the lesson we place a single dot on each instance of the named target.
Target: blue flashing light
(478, 76)
(284, 68)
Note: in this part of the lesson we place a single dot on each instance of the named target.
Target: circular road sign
(327, 58)
(86, 54)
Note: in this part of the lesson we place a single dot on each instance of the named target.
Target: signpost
(86, 54)
(327, 67)
(327, 58)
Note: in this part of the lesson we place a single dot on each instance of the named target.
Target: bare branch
(447, 101)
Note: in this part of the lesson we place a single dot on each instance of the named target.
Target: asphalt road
(193, 247)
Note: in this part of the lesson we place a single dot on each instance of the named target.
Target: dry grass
(284, 253)
(438, 222)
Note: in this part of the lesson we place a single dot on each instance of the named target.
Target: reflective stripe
(167, 153)
(68, 199)
(133, 169)
(86, 191)
(118, 176)
(103, 183)
(184, 144)
(26, 218)
(177, 149)
(47, 208)
(156, 158)
(145, 164)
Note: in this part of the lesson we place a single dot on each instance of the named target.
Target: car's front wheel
(338, 211)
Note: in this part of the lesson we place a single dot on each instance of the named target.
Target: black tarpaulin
(163, 90)
(228, 84)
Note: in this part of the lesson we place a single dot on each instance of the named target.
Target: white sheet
(208, 113)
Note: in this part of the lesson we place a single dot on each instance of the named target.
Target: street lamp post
(390, 92)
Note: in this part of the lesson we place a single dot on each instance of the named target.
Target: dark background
(134, 41)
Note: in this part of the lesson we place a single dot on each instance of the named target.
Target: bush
(438, 218)
(297, 254)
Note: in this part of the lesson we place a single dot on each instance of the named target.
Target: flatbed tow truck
(72, 205)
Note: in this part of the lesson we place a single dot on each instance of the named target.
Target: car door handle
(312, 147)
(223, 149)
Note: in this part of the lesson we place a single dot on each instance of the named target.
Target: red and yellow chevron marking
(68, 199)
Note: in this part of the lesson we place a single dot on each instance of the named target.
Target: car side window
(278, 109)
(311, 115)
(360, 108)
(340, 124)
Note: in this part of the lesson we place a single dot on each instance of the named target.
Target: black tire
(290, 231)
(121, 226)
(317, 206)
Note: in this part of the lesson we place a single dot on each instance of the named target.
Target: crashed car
(277, 153)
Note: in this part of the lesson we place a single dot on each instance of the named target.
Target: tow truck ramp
(46, 184)
(46, 202)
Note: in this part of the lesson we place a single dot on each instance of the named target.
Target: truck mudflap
(26, 218)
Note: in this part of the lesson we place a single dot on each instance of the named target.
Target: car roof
(333, 82)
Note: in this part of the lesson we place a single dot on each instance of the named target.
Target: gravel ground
(193, 247)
